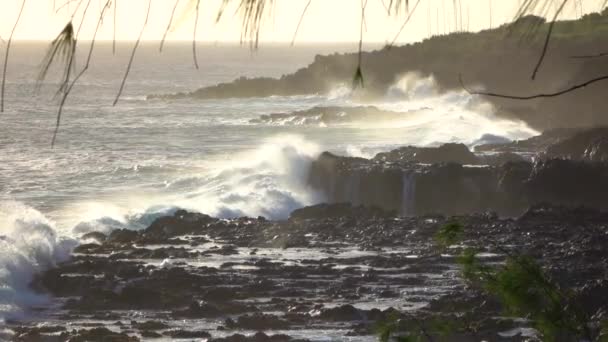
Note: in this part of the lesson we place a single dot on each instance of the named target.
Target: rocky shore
(329, 272)
(337, 271)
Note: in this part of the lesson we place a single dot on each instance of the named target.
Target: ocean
(123, 166)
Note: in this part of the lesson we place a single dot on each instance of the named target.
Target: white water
(124, 166)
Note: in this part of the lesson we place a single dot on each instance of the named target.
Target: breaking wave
(28, 245)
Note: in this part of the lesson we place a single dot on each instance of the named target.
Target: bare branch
(194, 56)
(407, 20)
(536, 96)
(114, 26)
(162, 41)
(293, 40)
(548, 38)
(603, 54)
(124, 79)
(8, 49)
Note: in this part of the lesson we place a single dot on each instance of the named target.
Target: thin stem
(114, 27)
(548, 39)
(124, 79)
(194, 55)
(293, 40)
(531, 97)
(162, 41)
(407, 20)
(8, 49)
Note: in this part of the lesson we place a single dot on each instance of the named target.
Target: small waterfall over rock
(408, 194)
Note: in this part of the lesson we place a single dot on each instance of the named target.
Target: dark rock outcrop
(396, 181)
(589, 145)
(447, 153)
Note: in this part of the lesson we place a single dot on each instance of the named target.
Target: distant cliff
(500, 60)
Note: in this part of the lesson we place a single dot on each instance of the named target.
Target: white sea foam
(28, 245)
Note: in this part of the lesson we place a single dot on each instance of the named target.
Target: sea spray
(269, 181)
(28, 245)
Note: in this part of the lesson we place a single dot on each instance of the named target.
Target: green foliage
(450, 234)
(525, 290)
(411, 329)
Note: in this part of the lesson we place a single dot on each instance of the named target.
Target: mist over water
(124, 166)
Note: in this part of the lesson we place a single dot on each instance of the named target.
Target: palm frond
(84, 69)
(62, 51)
(252, 13)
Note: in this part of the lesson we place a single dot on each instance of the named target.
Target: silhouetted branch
(194, 56)
(407, 20)
(6, 54)
(548, 38)
(603, 54)
(124, 79)
(114, 27)
(536, 96)
(293, 40)
(84, 69)
(162, 41)
(63, 48)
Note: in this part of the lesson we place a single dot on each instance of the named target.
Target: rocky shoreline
(335, 271)
(329, 271)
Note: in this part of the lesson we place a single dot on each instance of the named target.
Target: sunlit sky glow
(325, 20)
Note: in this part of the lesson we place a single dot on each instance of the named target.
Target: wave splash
(28, 245)
(269, 181)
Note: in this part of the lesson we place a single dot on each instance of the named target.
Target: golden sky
(325, 20)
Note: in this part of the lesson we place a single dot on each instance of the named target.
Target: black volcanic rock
(447, 153)
(397, 181)
(569, 182)
(588, 145)
(337, 210)
(257, 322)
(533, 145)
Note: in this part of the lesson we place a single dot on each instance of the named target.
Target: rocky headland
(472, 56)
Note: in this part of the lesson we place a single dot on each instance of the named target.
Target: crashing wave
(28, 245)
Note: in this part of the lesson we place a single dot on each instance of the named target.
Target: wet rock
(97, 236)
(122, 236)
(337, 210)
(257, 337)
(98, 334)
(447, 153)
(552, 181)
(149, 325)
(179, 333)
(181, 223)
(150, 334)
(344, 313)
(588, 145)
(257, 322)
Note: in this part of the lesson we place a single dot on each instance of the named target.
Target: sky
(324, 21)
